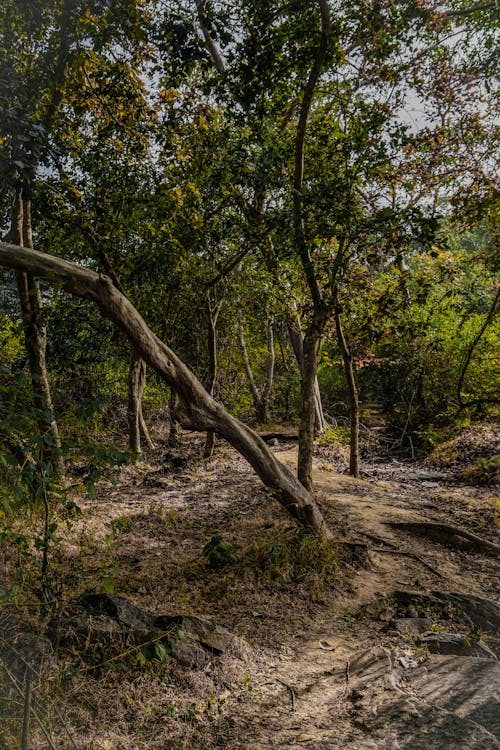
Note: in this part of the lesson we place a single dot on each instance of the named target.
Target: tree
(198, 410)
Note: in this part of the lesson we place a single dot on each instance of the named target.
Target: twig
(347, 676)
(292, 691)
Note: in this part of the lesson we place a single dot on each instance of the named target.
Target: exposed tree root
(406, 553)
(447, 533)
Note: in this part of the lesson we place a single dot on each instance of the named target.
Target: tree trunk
(136, 424)
(212, 315)
(198, 410)
(297, 340)
(352, 390)
(268, 384)
(311, 343)
(35, 333)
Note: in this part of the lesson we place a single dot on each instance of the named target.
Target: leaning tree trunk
(198, 410)
(352, 390)
(35, 333)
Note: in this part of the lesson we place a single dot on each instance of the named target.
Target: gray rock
(112, 621)
(206, 632)
(119, 609)
(411, 625)
(447, 703)
(455, 644)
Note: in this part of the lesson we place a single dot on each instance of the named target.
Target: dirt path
(310, 698)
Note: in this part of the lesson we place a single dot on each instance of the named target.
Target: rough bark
(35, 332)
(297, 340)
(352, 389)
(198, 410)
(307, 430)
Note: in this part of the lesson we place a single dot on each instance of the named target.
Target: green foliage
(484, 471)
(335, 435)
(219, 552)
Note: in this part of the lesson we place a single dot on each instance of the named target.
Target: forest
(249, 374)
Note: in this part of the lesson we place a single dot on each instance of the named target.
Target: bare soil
(305, 612)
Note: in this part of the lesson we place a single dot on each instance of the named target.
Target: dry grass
(143, 537)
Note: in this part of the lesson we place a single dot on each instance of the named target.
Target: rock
(480, 612)
(119, 609)
(467, 687)
(455, 644)
(473, 611)
(108, 620)
(208, 633)
(447, 703)
(410, 625)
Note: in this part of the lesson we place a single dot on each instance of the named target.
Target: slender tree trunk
(198, 410)
(268, 384)
(352, 390)
(297, 341)
(136, 423)
(35, 332)
(212, 315)
(311, 344)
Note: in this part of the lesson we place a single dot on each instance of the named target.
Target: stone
(119, 609)
(208, 633)
(456, 644)
(410, 625)
(445, 703)
(109, 620)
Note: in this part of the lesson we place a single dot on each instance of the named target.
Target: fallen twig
(347, 676)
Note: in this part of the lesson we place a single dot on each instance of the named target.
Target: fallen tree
(197, 409)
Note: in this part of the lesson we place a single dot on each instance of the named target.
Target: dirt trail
(309, 698)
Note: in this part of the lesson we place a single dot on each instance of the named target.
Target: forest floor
(386, 640)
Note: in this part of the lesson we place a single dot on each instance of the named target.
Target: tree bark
(352, 389)
(35, 333)
(297, 340)
(197, 410)
(307, 431)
